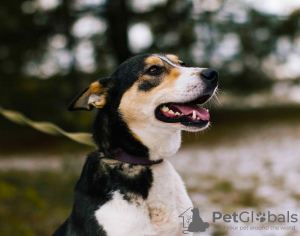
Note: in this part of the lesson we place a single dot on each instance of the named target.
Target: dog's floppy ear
(93, 96)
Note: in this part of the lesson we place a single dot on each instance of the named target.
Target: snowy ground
(253, 168)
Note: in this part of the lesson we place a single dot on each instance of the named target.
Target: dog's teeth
(177, 114)
(207, 110)
(194, 115)
(171, 112)
(165, 109)
(198, 118)
(182, 114)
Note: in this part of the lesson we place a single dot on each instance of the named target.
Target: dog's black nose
(210, 74)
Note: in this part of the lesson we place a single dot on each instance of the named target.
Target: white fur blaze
(120, 218)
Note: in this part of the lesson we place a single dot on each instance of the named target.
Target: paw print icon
(261, 217)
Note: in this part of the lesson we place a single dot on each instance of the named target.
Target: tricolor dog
(127, 188)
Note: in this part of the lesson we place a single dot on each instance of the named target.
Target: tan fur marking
(172, 58)
(134, 199)
(174, 74)
(110, 161)
(96, 88)
(134, 170)
(168, 81)
(126, 168)
(153, 60)
(101, 154)
(160, 216)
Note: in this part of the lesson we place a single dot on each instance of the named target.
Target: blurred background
(52, 49)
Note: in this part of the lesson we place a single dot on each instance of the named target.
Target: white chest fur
(156, 215)
(161, 201)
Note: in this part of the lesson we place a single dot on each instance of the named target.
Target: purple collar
(135, 160)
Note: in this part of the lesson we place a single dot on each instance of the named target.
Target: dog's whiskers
(215, 99)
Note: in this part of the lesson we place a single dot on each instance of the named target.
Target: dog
(127, 188)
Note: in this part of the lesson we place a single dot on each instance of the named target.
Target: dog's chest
(161, 201)
(155, 215)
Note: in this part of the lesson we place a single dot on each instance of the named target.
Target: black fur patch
(146, 86)
(99, 179)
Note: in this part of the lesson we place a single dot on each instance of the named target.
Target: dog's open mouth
(189, 114)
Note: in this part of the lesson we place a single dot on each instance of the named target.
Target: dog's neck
(160, 142)
(111, 135)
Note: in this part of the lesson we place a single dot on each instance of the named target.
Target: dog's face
(167, 94)
(154, 93)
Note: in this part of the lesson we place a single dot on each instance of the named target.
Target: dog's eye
(154, 70)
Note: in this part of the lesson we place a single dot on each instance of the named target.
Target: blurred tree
(118, 15)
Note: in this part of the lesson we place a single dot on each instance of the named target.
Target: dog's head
(154, 96)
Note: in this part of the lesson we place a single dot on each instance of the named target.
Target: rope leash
(46, 127)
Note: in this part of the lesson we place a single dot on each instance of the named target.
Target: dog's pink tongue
(202, 113)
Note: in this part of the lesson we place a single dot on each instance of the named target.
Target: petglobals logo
(250, 216)
(192, 222)
(238, 221)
